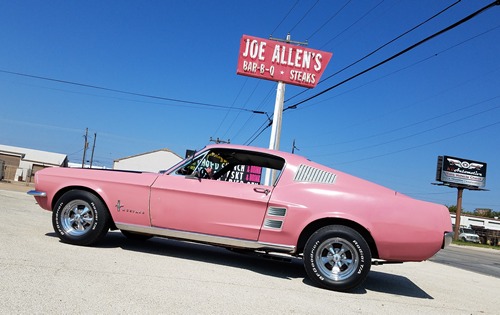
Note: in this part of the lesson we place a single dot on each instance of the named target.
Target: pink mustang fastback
(251, 199)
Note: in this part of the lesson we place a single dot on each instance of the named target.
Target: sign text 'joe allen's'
(277, 61)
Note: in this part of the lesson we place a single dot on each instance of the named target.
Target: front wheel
(80, 218)
(337, 257)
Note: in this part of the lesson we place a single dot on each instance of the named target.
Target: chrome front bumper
(37, 193)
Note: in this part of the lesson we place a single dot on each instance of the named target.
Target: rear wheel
(337, 257)
(80, 218)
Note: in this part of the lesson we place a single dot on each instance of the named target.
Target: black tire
(80, 218)
(136, 236)
(337, 257)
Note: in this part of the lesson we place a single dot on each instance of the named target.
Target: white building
(20, 164)
(153, 161)
(469, 221)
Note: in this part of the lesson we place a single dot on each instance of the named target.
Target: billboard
(461, 172)
(278, 61)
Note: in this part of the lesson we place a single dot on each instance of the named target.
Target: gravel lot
(41, 275)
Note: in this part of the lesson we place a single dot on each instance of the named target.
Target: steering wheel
(202, 173)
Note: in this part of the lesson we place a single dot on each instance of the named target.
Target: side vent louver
(277, 212)
(313, 175)
(273, 224)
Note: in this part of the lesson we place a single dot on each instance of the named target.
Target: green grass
(462, 243)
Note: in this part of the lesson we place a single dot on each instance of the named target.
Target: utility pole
(294, 147)
(219, 141)
(93, 148)
(85, 146)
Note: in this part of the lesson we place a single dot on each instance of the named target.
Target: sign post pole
(460, 174)
(282, 61)
(458, 213)
(274, 141)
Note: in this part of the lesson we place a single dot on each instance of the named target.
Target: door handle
(262, 190)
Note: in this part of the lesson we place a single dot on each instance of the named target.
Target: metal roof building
(20, 164)
(153, 161)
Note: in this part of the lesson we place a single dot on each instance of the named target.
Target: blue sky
(387, 125)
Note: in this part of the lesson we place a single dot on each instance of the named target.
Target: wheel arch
(87, 189)
(316, 225)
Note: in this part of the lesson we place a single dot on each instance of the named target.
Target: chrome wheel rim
(77, 218)
(337, 259)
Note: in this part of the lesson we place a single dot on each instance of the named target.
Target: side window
(253, 174)
(238, 166)
(252, 168)
(247, 174)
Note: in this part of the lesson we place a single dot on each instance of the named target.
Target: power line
(123, 92)
(354, 23)
(305, 14)
(257, 133)
(284, 18)
(418, 133)
(254, 111)
(331, 18)
(446, 29)
(227, 113)
(262, 103)
(421, 145)
(416, 63)
(245, 104)
(294, 106)
(384, 45)
(414, 123)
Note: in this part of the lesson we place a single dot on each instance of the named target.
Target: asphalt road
(479, 260)
(39, 274)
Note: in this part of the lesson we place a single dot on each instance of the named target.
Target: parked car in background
(468, 235)
(255, 200)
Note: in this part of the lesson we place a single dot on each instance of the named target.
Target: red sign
(277, 61)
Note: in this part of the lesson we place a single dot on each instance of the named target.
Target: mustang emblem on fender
(118, 206)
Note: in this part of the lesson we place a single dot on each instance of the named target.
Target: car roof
(285, 155)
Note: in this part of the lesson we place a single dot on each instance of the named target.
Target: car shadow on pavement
(286, 269)
(386, 283)
(393, 284)
(270, 266)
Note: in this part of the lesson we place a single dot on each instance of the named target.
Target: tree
(452, 208)
(483, 212)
